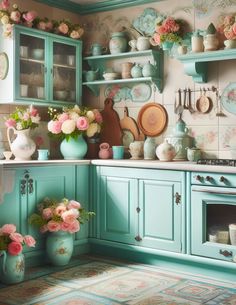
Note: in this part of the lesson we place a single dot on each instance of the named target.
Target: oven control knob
(198, 178)
(223, 179)
(209, 178)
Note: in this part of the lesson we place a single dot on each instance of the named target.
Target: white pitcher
(22, 146)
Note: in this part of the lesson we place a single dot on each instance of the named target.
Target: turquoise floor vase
(74, 149)
(12, 268)
(59, 247)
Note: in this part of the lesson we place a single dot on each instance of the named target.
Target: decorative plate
(146, 22)
(141, 93)
(117, 93)
(3, 65)
(228, 98)
(152, 119)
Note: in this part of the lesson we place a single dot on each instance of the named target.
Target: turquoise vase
(74, 148)
(12, 268)
(59, 247)
(167, 45)
(118, 43)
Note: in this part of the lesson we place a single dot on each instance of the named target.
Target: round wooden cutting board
(152, 119)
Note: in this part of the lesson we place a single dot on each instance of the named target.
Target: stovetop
(221, 162)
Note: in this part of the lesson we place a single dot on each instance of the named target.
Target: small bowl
(38, 53)
(111, 75)
(61, 95)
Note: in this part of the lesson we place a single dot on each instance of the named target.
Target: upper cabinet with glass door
(44, 68)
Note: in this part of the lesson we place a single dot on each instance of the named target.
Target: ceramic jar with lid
(136, 71)
(118, 43)
(149, 70)
(197, 42)
(165, 151)
(180, 140)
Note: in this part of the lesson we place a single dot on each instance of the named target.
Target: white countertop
(153, 164)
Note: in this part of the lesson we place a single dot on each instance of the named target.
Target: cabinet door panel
(118, 203)
(160, 216)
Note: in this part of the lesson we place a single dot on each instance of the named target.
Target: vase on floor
(59, 247)
(12, 268)
(74, 148)
(22, 146)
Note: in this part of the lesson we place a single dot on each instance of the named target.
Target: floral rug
(96, 281)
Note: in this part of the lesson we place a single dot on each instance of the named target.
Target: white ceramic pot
(143, 43)
(165, 151)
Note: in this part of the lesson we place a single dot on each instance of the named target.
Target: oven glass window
(221, 223)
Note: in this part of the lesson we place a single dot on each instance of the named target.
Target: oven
(213, 215)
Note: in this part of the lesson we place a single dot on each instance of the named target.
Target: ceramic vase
(12, 268)
(22, 146)
(149, 148)
(74, 148)
(118, 43)
(210, 42)
(167, 45)
(59, 247)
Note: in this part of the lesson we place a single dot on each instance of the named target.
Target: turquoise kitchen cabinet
(30, 186)
(44, 68)
(103, 62)
(141, 207)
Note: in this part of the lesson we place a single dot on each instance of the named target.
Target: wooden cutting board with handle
(111, 132)
(128, 123)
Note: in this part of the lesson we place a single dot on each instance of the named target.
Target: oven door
(213, 209)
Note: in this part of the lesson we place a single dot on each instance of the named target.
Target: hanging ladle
(179, 109)
(190, 108)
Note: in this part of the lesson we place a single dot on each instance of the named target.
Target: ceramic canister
(118, 43)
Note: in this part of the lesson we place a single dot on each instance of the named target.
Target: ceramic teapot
(90, 75)
(166, 151)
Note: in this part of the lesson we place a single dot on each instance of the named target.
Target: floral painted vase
(12, 268)
(59, 247)
(22, 146)
(74, 148)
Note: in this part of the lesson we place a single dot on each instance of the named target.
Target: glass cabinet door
(64, 72)
(32, 69)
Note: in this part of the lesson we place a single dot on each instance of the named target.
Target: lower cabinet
(141, 207)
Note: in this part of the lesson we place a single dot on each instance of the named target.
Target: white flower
(74, 116)
(90, 115)
(19, 126)
(93, 128)
(35, 119)
(5, 19)
(76, 109)
(68, 126)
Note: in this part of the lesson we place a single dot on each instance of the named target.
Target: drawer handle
(213, 191)
(226, 253)
(23, 187)
(138, 238)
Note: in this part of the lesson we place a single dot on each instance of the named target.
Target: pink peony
(82, 123)
(75, 35)
(63, 117)
(74, 205)
(10, 123)
(14, 248)
(33, 111)
(98, 116)
(63, 28)
(15, 16)
(54, 126)
(30, 16)
(70, 216)
(53, 226)
(16, 237)
(74, 227)
(26, 116)
(29, 241)
(229, 34)
(5, 4)
(65, 226)
(59, 210)
(47, 213)
(8, 229)
(229, 20)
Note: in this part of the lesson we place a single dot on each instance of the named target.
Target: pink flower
(30, 16)
(75, 35)
(63, 117)
(74, 205)
(157, 38)
(54, 126)
(98, 116)
(33, 111)
(43, 229)
(65, 226)
(42, 26)
(59, 210)
(16, 237)
(29, 241)
(14, 248)
(5, 4)
(82, 123)
(53, 226)
(70, 216)
(63, 28)
(49, 25)
(47, 213)
(234, 28)
(26, 116)
(10, 123)
(15, 16)
(74, 227)
(229, 20)
(170, 25)
(8, 229)
(229, 34)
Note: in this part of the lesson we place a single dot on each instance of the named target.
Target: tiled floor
(94, 281)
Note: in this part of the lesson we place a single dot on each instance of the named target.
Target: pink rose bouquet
(13, 242)
(227, 26)
(75, 121)
(168, 29)
(65, 215)
(23, 118)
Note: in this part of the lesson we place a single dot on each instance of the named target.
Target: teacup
(7, 154)
(43, 154)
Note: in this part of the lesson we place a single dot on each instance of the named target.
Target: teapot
(149, 70)
(166, 151)
(91, 75)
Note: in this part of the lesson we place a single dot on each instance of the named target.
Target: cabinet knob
(138, 209)
(209, 178)
(138, 238)
(225, 253)
(198, 178)
(223, 179)
(177, 198)
(30, 186)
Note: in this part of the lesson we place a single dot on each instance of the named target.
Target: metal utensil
(185, 99)
(219, 112)
(180, 108)
(190, 108)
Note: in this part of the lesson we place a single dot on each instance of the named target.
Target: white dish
(111, 75)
